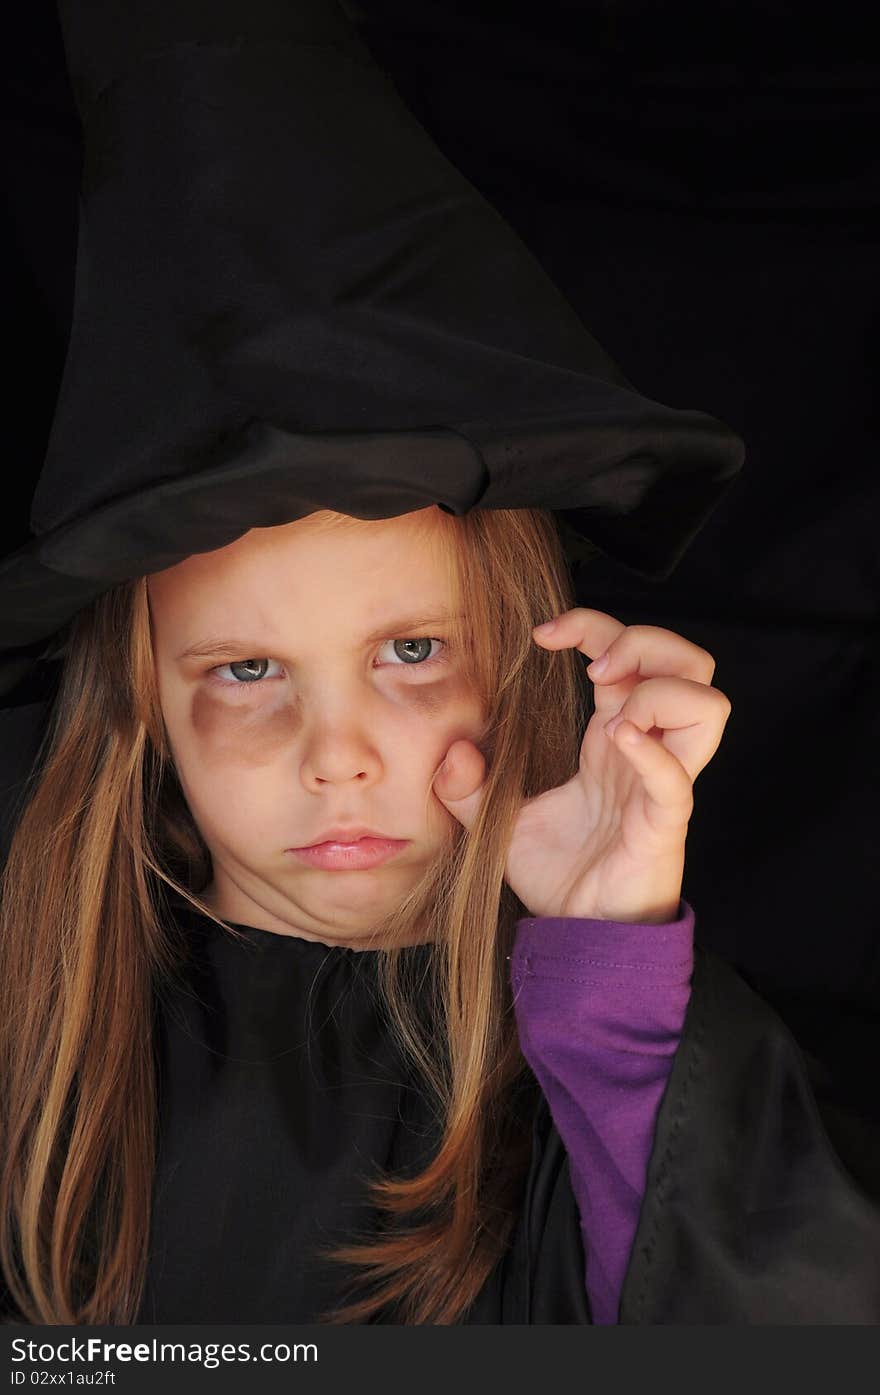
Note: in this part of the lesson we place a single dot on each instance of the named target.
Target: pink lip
(352, 856)
(346, 833)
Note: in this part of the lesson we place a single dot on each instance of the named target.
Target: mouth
(355, 855)
(346, 833)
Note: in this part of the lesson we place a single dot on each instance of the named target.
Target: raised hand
(609, 843)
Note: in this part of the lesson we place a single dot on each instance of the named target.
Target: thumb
(459, 782)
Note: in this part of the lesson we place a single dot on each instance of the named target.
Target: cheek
(231, 735)
(443, 712)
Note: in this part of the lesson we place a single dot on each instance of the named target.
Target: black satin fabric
(281, 1086)
(749, 1216)
(280, 1092)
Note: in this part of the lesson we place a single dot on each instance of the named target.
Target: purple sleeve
(599, 1008)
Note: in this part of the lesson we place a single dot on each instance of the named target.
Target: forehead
(352, 570)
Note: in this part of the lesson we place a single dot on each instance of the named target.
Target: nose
(339, 748)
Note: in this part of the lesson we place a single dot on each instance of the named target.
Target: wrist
(654, 915)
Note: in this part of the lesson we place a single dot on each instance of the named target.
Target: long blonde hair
(85, 938)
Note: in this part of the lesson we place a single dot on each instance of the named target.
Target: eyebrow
(211, 648)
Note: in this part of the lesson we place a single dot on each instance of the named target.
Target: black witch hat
(288, 299)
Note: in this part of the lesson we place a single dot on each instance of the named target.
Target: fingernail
(615, 722)
(598, 665)
(547, 626)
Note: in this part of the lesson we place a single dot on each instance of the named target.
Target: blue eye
(249, 679)
(417, 659)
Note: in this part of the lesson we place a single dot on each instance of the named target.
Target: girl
(172, 746)
(242, 718)
(346, 971)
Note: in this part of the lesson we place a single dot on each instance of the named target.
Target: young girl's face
(326, 696)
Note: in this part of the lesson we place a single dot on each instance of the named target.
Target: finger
(626, 652)
(690, 716)
(667, 784)
(459, 782)
(648, 651)
(591, 631)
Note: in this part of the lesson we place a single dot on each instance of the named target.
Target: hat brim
(632, 482)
